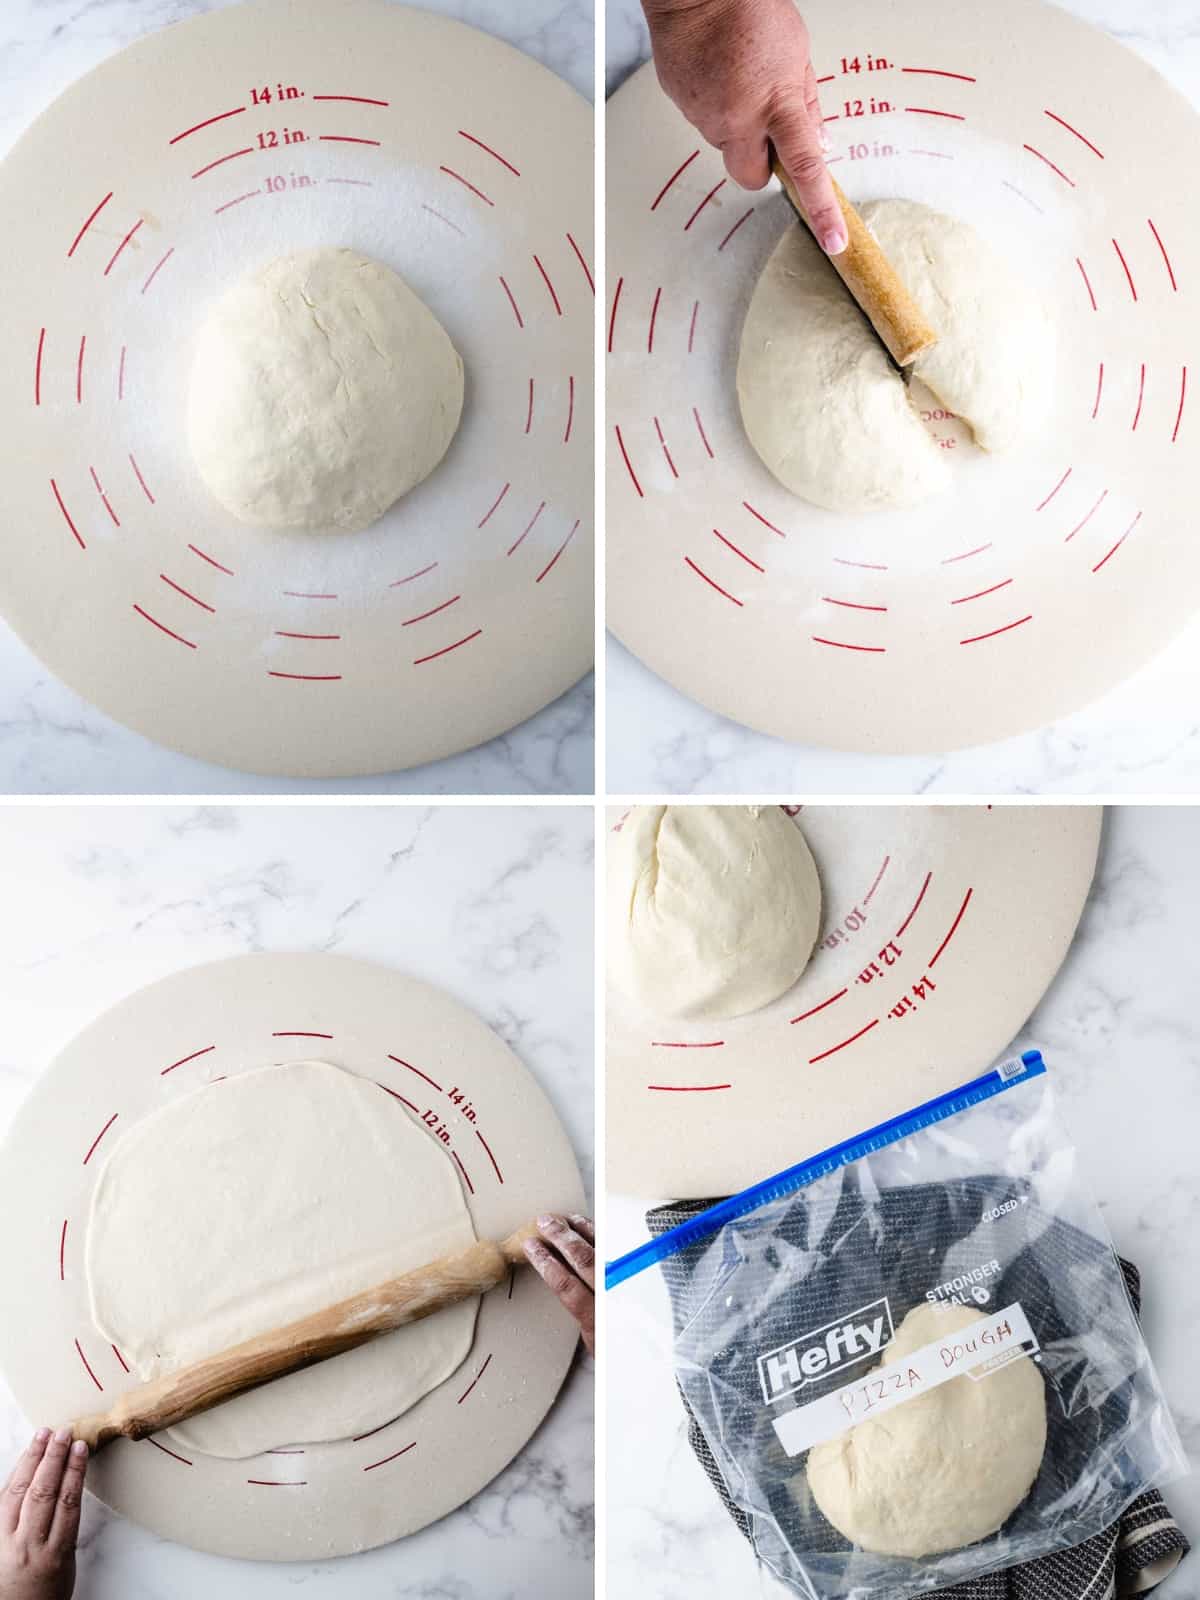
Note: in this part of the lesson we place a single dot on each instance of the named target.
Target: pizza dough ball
(824, 407)
(713, 910)
(322, 389)
(944, 1470)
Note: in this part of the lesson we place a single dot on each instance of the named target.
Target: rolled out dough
(261, 1199)
(824, 407)
(322, 390)
(713, 910)
(945, 1470)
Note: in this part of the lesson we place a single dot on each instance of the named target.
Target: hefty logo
(825, 1350)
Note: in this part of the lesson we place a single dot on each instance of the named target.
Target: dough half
(322, 389)
(261, 1199)
(993, 364)
(823, 406)
(713, 910)
(821, 403)
(945, 1470)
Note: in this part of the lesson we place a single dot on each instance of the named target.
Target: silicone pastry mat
(941, 929)
(1041, 579)
(441, 1066)
(194, 157)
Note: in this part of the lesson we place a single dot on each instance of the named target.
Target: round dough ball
(322, 389)
(824, 407)
(713, 910)
(944, 1470)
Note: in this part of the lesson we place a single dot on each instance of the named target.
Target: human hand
(564, 1257)
(39, 1519)
(741, 72)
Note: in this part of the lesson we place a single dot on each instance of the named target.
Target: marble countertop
(1142, 737)
(51, 740)
(1117, 1029)
(103, 900)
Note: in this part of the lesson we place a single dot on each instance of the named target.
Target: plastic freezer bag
(956, 1246)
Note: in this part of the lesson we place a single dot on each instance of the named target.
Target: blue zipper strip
(1020, 1069)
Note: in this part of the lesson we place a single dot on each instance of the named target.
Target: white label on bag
(989, 1344)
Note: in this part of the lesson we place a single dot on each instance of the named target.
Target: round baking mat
(439, 1065)
(1041, 579)
(194, 157)
(941, 929)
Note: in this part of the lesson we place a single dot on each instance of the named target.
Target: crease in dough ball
(322, 390)
(713, 910)
(941, 1471)
(823, 406)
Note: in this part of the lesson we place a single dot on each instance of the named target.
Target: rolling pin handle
(94, 1430)
(513, 1248)
(872, 280)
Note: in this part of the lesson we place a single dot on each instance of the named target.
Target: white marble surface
(493, 903)
(51, 740)
(1143, 737)
(1117, 1028)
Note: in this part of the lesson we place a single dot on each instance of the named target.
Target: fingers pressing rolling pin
(741, 72)
(563, 1255)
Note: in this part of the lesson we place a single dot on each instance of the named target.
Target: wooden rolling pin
(872, 280)
(352, 1322)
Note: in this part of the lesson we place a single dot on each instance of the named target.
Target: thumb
(797, 142)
